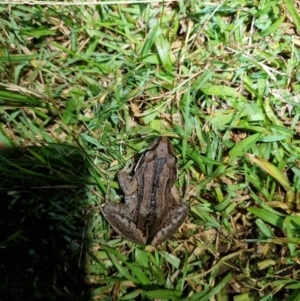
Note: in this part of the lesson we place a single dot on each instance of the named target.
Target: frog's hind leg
(120, 220)
(172, 222)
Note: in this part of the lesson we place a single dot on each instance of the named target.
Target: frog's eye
(149, 156)
(171, 161)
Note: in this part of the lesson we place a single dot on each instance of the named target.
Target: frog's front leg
(128, 185)
(174, 218)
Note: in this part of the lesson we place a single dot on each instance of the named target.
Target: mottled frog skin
(152, 211)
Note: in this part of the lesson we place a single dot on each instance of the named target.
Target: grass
(85, 88)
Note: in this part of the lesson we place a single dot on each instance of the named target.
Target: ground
(85, 88)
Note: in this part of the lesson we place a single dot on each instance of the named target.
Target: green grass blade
(290, 4)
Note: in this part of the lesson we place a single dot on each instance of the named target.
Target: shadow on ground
(45, 199)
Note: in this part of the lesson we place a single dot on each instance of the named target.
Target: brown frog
(152, 211)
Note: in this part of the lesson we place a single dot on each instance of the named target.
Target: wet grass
(85, 88)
